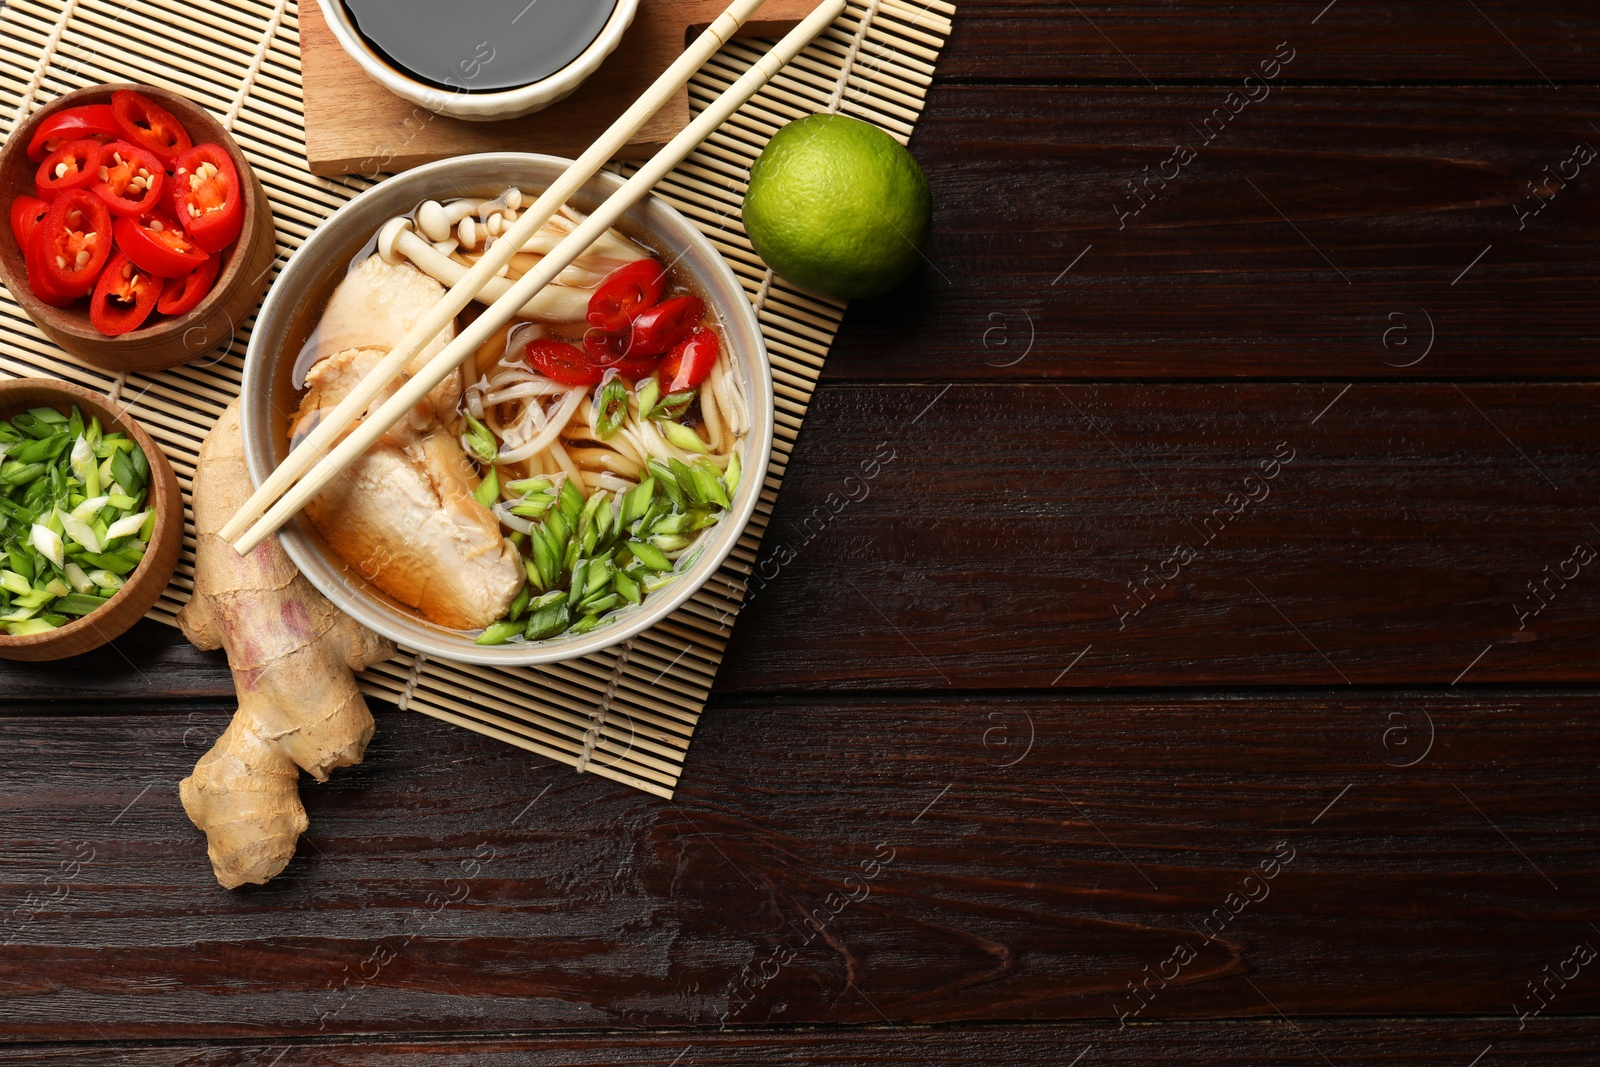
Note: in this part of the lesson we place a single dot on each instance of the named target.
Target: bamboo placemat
(627, 714)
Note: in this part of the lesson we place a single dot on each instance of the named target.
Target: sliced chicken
(374, 307)
(403, 517)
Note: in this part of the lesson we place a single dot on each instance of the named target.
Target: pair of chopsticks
(312, 465)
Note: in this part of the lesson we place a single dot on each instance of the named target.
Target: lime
(838, 207)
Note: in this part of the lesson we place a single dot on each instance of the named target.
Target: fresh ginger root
(293, 656)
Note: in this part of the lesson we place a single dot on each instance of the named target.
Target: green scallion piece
(499, 633)
(611, 409)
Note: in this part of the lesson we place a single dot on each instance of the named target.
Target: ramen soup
(569, 470)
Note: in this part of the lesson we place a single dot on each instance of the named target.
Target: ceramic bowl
(479, 106)
(166, 341)
(296, 301)
(145, 585)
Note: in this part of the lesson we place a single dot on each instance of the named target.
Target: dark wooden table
(1209, 678)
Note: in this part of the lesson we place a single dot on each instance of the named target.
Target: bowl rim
(141, 574)
(501, 104)
(73, 321)
(408, 189)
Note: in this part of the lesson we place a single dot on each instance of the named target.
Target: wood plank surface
(1555, 1042)
(1356, 40)
(977, 777)
(1020, 526)
(926, 861)
(1322, 232)
(962, 536)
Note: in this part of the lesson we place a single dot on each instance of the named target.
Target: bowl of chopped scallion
(91, 520)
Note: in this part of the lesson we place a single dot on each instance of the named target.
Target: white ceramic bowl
(299, 294)
(488, 106)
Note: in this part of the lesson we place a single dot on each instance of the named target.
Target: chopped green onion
(649, 555)
(673, 405)
(524, 486)
(479, 441)
(83, 533)
(129, 525)
(679, 434)
(636, 501)
(488, 491)
(81, 582)
(48, 542)
(610, 409)
(649, 393)
(79, 603)
(499, 633)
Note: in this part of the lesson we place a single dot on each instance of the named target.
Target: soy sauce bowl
(457, 100)
(165, 341)
(299, 296)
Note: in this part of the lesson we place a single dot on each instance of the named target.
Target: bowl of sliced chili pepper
(139, 236)
(91, 520)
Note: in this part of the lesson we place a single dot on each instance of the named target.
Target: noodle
(546, 436)
(590, 476)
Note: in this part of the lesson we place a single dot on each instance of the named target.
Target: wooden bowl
(166, 341)
(145, 585)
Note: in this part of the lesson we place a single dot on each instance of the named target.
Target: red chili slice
(149, 125)
(561, 362)
(611, 351)
(624, 293)
(657, 329)
(690, 361)
(607, 347)
(40, 281)
(71, 245)
(182, 295)
(73, 124)
(157, 245)
(72, 166)
(130, 179)
(123, 298)
(206, 196)
(26, 214)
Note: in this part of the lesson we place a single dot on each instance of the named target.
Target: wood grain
(1324, 232)
(1555, 1042)
(1003, 525)
(1356, 40)
(1396, 547)
(1034, 856)
(356, 126)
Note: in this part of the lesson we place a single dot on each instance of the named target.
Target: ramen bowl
(298, 297)
(580, 44)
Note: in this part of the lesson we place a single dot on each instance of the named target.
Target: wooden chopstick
(496, 256)
(367, 432)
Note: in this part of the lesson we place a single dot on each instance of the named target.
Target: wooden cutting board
(355, 126)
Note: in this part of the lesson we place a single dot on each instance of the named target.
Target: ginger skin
(293, 656)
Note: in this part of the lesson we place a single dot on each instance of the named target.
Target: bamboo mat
(627, 714)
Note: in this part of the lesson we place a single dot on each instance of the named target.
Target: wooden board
(1557, 1041)
(1210, 281)
(1364, 41)
(1035, 852)
(355, 126)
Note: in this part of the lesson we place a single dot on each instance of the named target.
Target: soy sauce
(479, 46)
